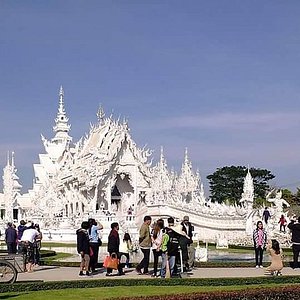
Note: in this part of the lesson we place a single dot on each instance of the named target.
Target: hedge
(57, 285)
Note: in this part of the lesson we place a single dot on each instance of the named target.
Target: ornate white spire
(188, 182)
(162, 181)
(162, 160)
(11, 187)
(100, 114)
(248, 191)
(61, 127)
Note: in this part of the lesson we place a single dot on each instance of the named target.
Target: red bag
(111, 261)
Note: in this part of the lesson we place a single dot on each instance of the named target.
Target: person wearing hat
(188, 228)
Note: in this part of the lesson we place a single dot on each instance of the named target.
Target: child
(282, 222)
(125, 248)
(83, 247)
(276, 258)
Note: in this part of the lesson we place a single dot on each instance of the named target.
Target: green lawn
(120, 291)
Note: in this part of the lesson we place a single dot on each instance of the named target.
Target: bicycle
(8, 272)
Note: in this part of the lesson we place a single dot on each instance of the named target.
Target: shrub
(57, 285)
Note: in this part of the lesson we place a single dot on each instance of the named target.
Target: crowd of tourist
(171, 245)
(272, 246)
(26, 240)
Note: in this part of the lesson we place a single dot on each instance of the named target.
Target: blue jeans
(171, 261)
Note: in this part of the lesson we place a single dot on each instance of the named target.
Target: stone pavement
(48, 273)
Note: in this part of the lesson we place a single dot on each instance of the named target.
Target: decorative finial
(100, 114)
(12, 158)
(61, 91)
(8, 162)
(61, 108)
(61, 127)
(161, 153)
(186, 155)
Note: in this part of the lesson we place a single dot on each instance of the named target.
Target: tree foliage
(226, 184)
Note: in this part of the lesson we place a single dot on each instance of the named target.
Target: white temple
(105, 175)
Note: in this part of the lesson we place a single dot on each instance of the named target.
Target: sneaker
(257, 267)
(126, 267)
(87, 273)
(138, 271)
(109, 274)
(80, 273)
(261, 266)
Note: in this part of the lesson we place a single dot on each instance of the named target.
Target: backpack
(173, 243)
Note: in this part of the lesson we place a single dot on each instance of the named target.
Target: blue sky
(219, 77)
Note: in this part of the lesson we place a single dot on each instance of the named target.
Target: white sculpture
(201, 254)
(279, 204)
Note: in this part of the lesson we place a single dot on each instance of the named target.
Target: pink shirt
(260, 237)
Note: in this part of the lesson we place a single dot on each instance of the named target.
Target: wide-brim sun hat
(178, 229)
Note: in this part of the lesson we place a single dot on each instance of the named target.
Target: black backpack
(173, 243)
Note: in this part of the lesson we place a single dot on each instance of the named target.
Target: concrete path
(47, 273)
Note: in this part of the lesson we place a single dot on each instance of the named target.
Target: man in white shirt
(28, 238)
(29, 235)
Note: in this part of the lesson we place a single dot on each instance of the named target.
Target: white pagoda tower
(11, 189)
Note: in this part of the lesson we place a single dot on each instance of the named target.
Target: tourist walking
(276, 258)
(282, 223)
(157, 236)
(83, 248)
(294, 226)
(95, 243)
(113, 247)
(266, 215)
(145, 246)
(188, 228)
(11, 238)
(125, 248)
(260, 241)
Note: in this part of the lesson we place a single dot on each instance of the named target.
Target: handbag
(111, 261)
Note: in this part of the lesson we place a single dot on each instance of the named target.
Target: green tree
(227, 183)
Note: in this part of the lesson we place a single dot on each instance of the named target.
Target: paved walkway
(47, 273)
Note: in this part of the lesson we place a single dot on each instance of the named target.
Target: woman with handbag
(113, 248)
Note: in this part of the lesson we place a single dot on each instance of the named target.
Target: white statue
(250, 223)
(279, 202)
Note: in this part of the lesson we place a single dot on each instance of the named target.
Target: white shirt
(156, 244)
(29, 235)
